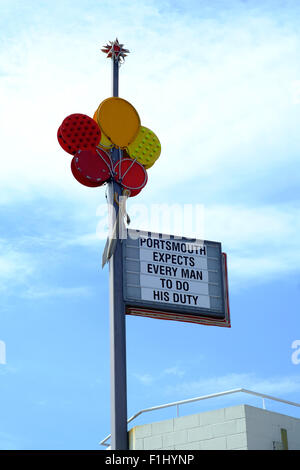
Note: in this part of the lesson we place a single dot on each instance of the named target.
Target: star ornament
(115, 50)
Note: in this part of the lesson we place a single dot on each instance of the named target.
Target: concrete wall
(239, 427)
(219, 429)
(263, 427)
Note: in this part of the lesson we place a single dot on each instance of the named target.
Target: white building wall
(219, 429)
(264, 428)
(240, 427)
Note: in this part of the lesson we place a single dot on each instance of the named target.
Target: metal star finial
(115, 51)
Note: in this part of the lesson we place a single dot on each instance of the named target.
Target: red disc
(81, 179)
(131, 175)
(93, 165)
(67, 148)
(80, 132)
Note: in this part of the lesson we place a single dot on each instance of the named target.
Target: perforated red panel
(93, 165)
(81, 179)
(67, 148)
(131, 175)
(80, 132)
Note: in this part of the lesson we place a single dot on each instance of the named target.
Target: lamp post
(119, 437)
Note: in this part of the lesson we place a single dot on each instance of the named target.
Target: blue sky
(219, 83)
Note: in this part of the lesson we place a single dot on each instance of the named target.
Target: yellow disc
(105, 143)
(145, 148)
(119, 121)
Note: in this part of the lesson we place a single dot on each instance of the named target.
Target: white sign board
(165, 275)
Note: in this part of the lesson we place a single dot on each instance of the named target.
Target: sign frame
(171, 311)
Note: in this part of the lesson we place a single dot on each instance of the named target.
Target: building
(240, 427)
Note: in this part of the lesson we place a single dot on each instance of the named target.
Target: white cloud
(217, 88)
(148, 379)
(15, 266)
(243, 225)
(20, 262)
(174, 371)
(278, 386)
(144, 379)
(210, 87)
(261, 242)
(54, 291)
(87, 239)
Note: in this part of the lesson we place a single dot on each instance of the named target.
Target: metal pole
(119, 438)
(115, 77)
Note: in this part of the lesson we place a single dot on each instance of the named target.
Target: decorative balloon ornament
(89, 169)
(145, 148)
(78, 132)
(131, 175)
(115, 124)
(118, 121)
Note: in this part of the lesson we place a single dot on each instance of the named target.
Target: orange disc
(119, 121)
